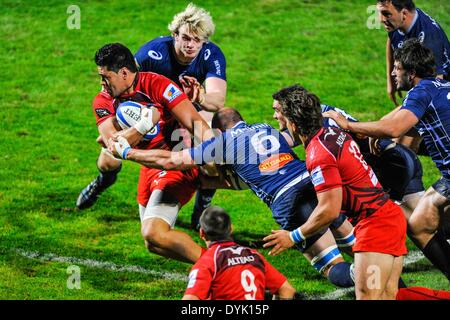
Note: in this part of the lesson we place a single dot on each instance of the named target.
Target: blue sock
(340, 275)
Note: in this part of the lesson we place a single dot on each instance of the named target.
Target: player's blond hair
(197, 20)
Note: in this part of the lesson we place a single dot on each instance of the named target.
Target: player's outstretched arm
(393, 126)
(325, 212)
(160, 159)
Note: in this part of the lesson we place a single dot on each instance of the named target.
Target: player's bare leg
(161, 239)
(390, 292)
(109, 167)
(410, 202)
(158, 219)
(372, 272)
(423, 226)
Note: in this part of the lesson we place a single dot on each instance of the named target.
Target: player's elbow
(286, 291)
(394, 132)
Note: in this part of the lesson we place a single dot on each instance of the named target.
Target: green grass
(48, 150)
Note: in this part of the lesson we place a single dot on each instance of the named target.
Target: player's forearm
(378, 129)
(320, 219)
(212, 101)
(159, 159)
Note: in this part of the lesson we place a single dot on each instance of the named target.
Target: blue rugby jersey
(430, 102)
(259, 155)
(158, 56)
(432, 36)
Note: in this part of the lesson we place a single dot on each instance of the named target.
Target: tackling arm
(393, 126)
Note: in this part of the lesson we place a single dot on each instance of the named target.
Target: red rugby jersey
(228, 271)
(334, 160)
(150, 88)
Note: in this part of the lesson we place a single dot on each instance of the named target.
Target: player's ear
(202, 234)
(231, 229)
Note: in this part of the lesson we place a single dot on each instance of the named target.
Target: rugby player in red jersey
(160, 194)
(344, 182)
(228, 271)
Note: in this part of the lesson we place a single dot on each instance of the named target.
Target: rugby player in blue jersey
(402, 20)
(189, 59)
(262, 158)
(426, 111)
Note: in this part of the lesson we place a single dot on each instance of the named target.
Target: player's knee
(152, 235)
(106, 162)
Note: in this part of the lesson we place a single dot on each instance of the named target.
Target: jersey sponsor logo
(155, 55)
(207, 54)
(400, 44)
(102, 112)
(192, 278)
(317, 176)
(421, 36)
(217, 64)
(171, 93)
(275, 162)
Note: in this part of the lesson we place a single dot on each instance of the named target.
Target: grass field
(48, 149)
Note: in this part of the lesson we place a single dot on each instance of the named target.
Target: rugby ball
(128, 113)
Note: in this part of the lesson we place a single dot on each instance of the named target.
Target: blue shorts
(293, 208)
(442, 186)
(399, 171)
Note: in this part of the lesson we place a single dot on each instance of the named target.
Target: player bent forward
(344, 181)
(228, 271)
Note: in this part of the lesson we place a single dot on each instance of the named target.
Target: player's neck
(409, 21)
(132, 86)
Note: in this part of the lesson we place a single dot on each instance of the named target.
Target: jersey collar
(134, 85)
(313, 136)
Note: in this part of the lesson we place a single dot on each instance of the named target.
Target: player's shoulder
(210, 49)
(426, 20)
(102, 98)
(157, 43)
(328, 142)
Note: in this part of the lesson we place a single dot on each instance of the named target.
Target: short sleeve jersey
(228, 271)
(157, 56)
(429, 100)
(259, 155)
(151, 89)
(334, 160)
(431, 35)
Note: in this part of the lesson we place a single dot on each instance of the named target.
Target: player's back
(430, 102)
(334, 159)
(263, 159)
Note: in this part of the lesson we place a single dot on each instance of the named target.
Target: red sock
(421, 293)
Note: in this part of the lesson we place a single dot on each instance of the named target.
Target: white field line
(411, 258)
(102, 265)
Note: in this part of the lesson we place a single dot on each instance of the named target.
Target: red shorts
(179, 184)
(384, 231)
